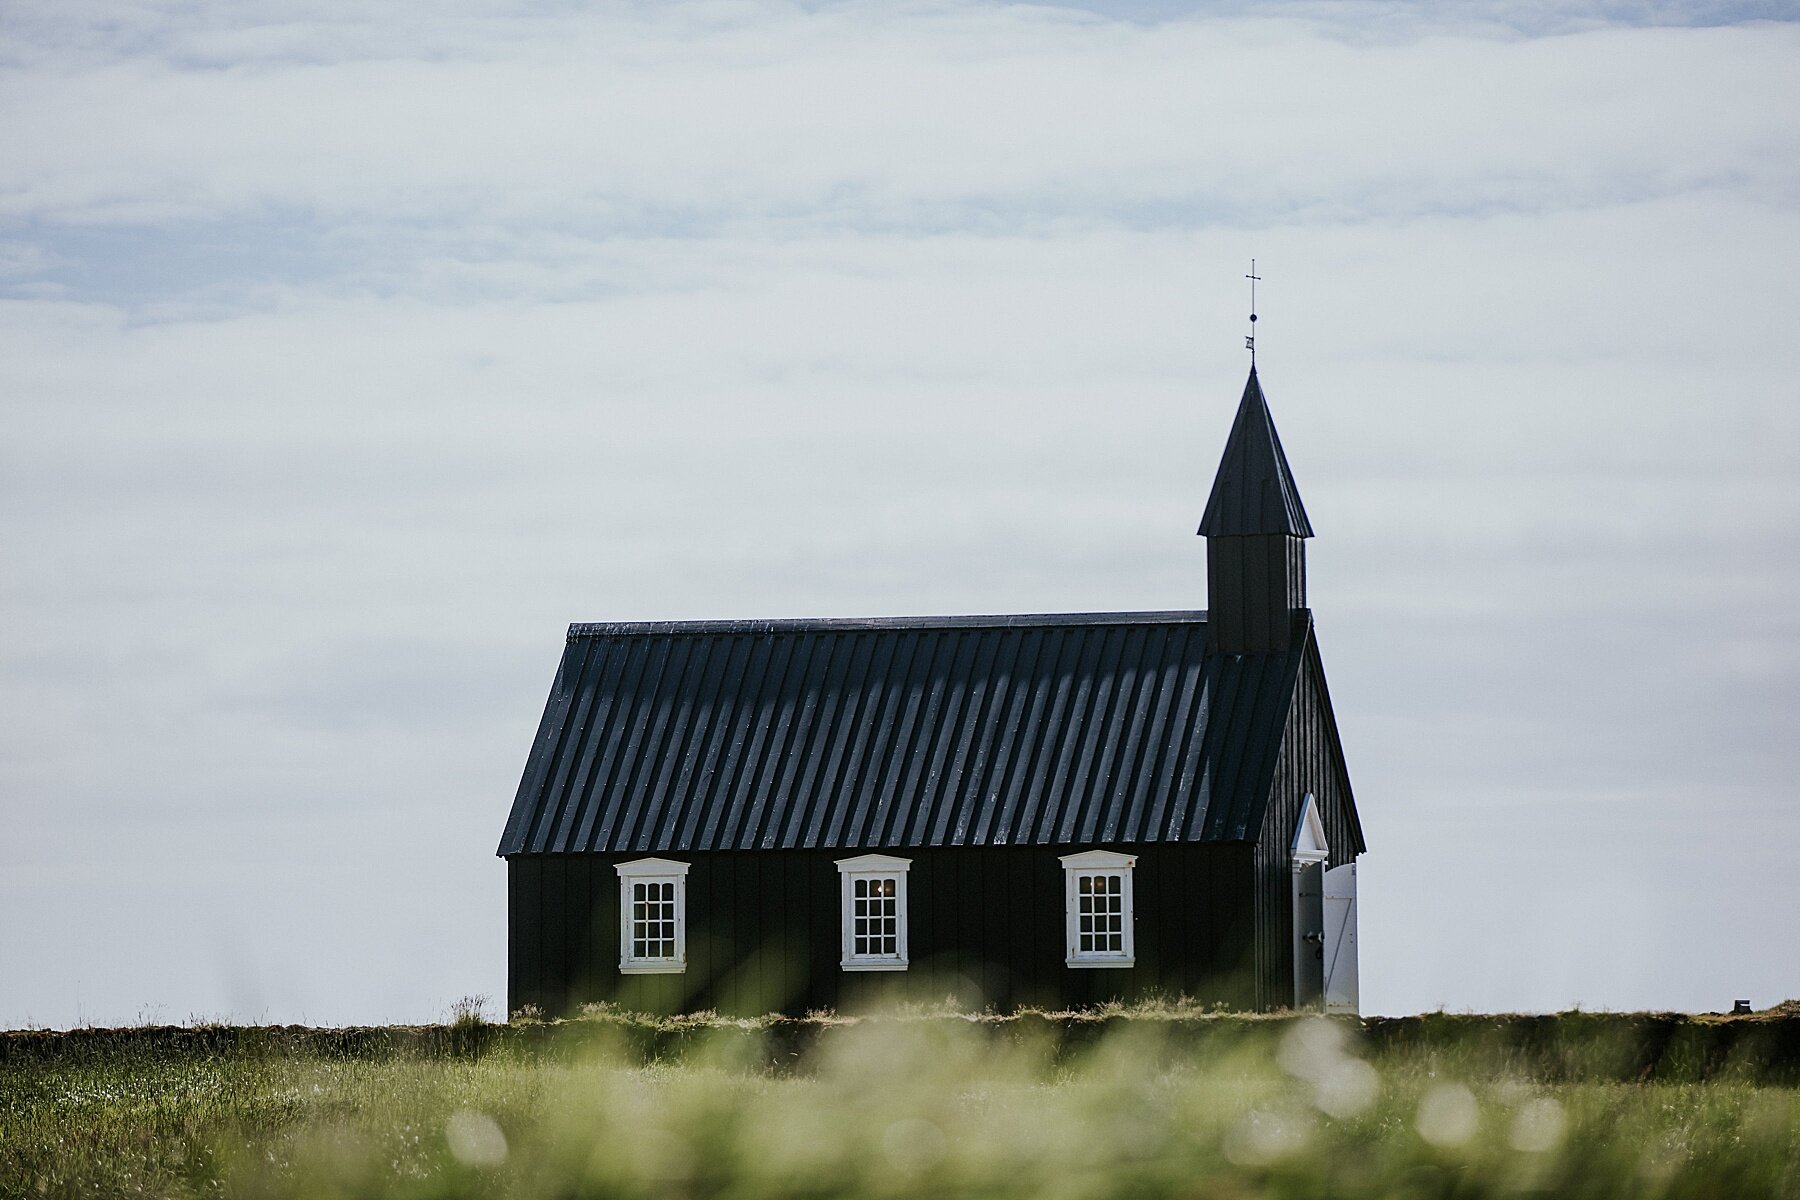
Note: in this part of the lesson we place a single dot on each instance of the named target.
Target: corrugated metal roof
(1047, 730)
(1254, 490)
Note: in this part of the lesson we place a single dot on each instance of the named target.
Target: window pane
(873, 918)
(1096, 920)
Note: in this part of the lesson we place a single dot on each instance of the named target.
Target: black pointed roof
(1066, 729)
(1254, 491)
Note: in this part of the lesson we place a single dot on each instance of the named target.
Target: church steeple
(1255, 529)
(1254, 491)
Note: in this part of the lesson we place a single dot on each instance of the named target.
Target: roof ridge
(824, 624)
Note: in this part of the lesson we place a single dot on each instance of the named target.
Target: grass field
(1134, 1105)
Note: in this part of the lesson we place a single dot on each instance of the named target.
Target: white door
(1340, 940)
(1309, 935)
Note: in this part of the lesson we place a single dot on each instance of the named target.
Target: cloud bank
(348, 355)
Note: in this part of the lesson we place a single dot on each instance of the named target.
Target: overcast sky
(348, 352)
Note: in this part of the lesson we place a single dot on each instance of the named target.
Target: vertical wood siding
(986, 925)
(1253, 586)
(1310, 761)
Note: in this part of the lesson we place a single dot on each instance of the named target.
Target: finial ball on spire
(1250, 339)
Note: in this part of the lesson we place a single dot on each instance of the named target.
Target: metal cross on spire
(1250, 338)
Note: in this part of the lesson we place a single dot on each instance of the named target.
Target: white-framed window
(652, 916)
(873, 887)
(1097, 900)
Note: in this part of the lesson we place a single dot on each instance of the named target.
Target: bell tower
(1255, 529)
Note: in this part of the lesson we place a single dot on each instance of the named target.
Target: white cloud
(856, 117)
(350, 356)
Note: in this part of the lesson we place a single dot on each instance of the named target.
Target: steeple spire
(1255, 529)
(1254, 490)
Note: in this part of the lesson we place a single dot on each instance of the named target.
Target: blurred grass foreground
(1147, 1103)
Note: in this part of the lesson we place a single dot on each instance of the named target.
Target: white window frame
(1097, 862)
(871, 866)
(652, 870)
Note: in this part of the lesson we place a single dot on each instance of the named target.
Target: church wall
(986, 925)
(1308, 763)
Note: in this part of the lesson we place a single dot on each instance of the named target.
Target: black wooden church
(1055, 809)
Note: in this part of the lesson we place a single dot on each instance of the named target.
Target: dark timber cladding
(1312, 761)
(1024, 730)
(1253, 584)
(764, 926)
